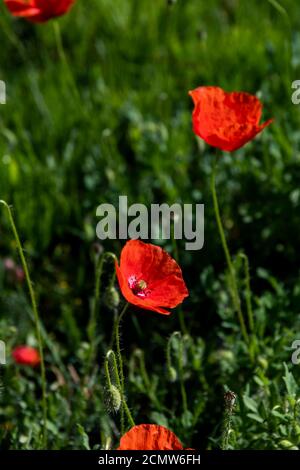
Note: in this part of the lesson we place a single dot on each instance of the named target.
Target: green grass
(116, 119)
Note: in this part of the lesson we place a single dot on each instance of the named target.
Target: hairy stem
(124, 405)
(233, 283)
(64, 60)
(92, 325)
(36, 318)
(248, 292)
(117, 340)
(230, 399)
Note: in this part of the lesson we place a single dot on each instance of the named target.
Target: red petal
(134, 299)
(226, 120)
(26, 355)
(54, 7)
(38, 11)
(137, 258)
(156, 267)
(149, 437)
(21, 8)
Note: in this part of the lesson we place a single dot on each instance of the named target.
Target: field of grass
(97, 107)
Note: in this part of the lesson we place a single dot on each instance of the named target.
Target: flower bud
(112, 298)
(172, 374)
(230, 399)
(115, 398)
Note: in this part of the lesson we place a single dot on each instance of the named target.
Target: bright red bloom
(38, 11)
(150, 278)
(226, 120)
(26, 355)
(149, 437)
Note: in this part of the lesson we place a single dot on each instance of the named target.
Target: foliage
(116, 119)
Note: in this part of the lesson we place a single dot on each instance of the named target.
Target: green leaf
(159, 418)
(278, 415)
(255, 417)
(85, 437)
(250, 403)
(290, 383)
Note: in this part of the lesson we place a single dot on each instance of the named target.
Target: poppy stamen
(138, 287)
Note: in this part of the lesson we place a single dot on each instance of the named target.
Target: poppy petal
(133, 299)
(149, 266)
(26, 355)
(149, 437)
(226, 120)
(19, 8)
(38, 11)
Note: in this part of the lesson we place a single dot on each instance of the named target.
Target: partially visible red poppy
(26, 355)
(149, 437)
(226, 120)
(150, 278)
(38, 11)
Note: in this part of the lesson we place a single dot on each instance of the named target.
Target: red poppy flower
(150, 278)
(26, 355)
(226, 120)
(149, 437)
(38, 11)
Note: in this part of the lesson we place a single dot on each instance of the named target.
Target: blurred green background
(97, 107)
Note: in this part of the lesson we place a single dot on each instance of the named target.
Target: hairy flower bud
(115, 399)
(112, 298)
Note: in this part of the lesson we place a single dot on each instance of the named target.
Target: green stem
(64, 60)
(234, 290)
(181, 321)
(120, 362)
(92, 326)
(144, 373)
(180, 366)
(117, 340)
(226, 430)
(229, 409)
(254, 342)
(182, 324)
(248, 292)
(107, 373)
(124, 405)
(146, 379)
(181, 378)
(36, 318)
(14, 39)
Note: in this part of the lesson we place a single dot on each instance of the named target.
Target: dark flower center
(138, 286)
